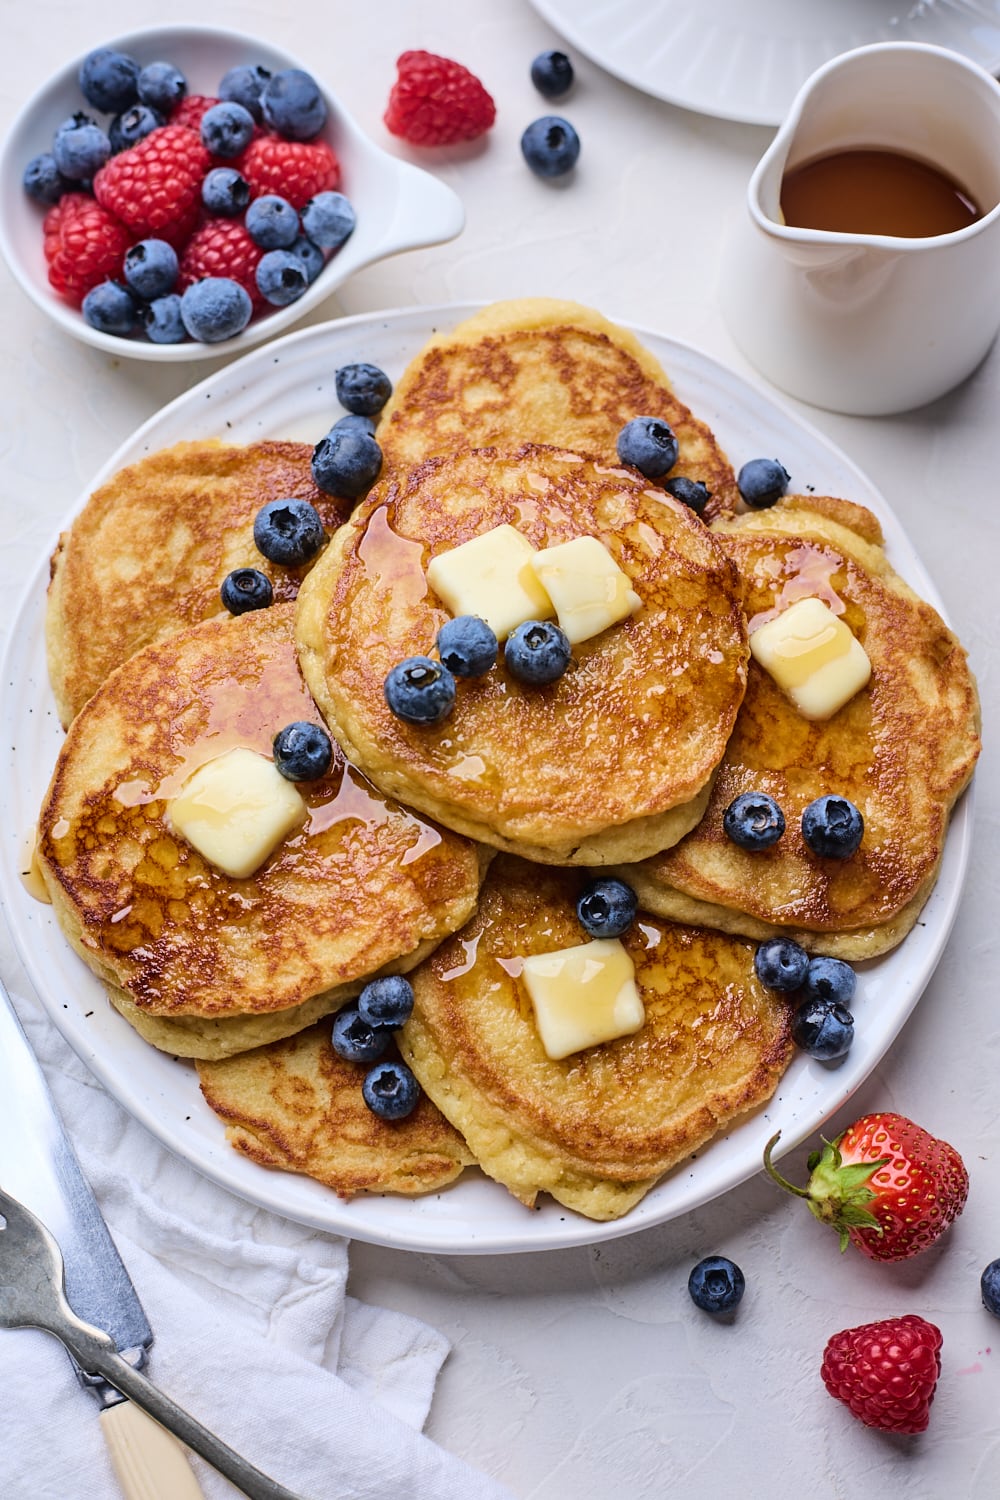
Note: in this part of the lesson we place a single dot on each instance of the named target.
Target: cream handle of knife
(149, 1462)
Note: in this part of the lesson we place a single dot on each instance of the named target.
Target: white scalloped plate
(286, 389)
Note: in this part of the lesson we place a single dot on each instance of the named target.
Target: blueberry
(80, 148)
(289, 532)
(346, 462)
(363, 389)
(753, 821)
(386, 1002)
(550, 146)
(467, 646)
(281, 277)
(293, 105)
(110, 308)
(225, 192)
(781, 964)
(244, 589)
(989, 1284)
(552, 74)
(302, 751)
(830, 980)
(390, 1091)
(162, 320)
(606, 907)
(419, 690)
(832, 827)
(716, 1284)
(150, 269)
(310, 255)
(354, 422)
(226, 129)
(244, 85)
(356, 1040)
(43, 180)
(690, 492)
(272, 222)
(161, 86)
(328, 219)
(132, 125)
(649, 445)
(215, 308)
(823, 1028)
(537, 652)
(762, 482)
(109, 80)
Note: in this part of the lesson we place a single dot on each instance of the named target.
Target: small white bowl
(398, 206)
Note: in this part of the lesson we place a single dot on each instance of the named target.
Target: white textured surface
(586, 1373)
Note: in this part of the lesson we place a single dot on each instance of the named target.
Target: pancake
(149, 551)
(216, 964)
(297, 1106)
(902, 749)
(619, 753)
(597, 1129)
(539, 370)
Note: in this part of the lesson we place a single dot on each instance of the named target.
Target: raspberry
(190, 111)
(84, 245)
(886, 1372)
(435, 101)
(155, 186)
(221, 247)
(296, 170)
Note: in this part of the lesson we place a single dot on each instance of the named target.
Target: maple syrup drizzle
(808, 571)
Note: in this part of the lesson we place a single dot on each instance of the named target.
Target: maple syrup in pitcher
(871, 191)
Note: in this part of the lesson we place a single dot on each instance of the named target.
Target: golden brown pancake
(598, 1128)
(618, 754)
(540, 370)
(149, 551)
(364, 885)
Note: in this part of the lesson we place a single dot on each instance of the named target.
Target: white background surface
(588, 1372)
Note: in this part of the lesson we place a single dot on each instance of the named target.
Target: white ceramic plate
(287, 390)
(747, 59)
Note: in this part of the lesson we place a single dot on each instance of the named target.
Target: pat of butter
(491, 577)
(235, 810)
(586, 585)
(583, 996)
(813, 657)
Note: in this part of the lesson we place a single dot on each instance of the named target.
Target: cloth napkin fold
(254, 1335)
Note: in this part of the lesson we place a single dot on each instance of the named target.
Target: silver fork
(32, 1295)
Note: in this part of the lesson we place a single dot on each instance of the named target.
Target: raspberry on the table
(155, 186)
(436, 101)
(84, 245)
(295, 170)
(222, 247)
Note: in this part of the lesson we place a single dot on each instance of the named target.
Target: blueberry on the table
(346, 462)
(552, 74)
(606, 907)
(43, 180)
(132, 125)
(356, 1040)
(781, 964)
(226, 129)
(419, 690)
(162, 86)
(150, 269)
(690, 492)
(328, 219)
(390, 1091)
(762, 482)
(244, 589)
(310, 255)
(293, 105)
(716, 1284)
(289, 532)
(649, 445)
(829, 979)
(281, 277)
(80, 148)
(753, 820)
(302, 751)
(387, 1001)
(272, 222)
(537, 652)
(989, 1284)
(162, 320)
(832, 827)
(110, 308)
(822, 1028)
(225, 192)
(362, 388)
(244, 85)
(215, 308)
(550, 146)
(109, 80)
(467, 646)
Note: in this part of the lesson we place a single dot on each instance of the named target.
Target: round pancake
(363, 885)
(902, 750)
(149, 551)
(618, 754)
(598, 1128)
(297, 1106)
(540, 370)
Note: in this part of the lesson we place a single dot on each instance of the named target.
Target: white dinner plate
(286, 390)
(747, 59)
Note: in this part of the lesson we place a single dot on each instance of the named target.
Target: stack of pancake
(456, 851)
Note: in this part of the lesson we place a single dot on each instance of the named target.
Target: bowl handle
(427, 211)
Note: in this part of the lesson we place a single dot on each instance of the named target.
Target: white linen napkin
(254, 1335)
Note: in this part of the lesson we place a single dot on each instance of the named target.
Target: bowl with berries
(185, 191)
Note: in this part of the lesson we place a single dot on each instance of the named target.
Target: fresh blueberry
(390, 1091)
(289, 532)
(822, 1028)
(832, 827)
(225, 192)
(43, 180)
(467, 645)
(310, 255)
(356, 1040)
(162, 320)
(346, 463)
(781, 964)
(386, 1002)
(537, 652)
(109, 80)
(649, 445)
(354, 422)
(419, 690)
(161, 86)
(606, 907)
(226, 129)
(281, 277)
(150, 269)
(80, 148)
(215, 308)
(293, 105)
(762, 482)
(829, 979)
(244, 85)
(550, 146)
(716, 1284)
(989, 1284)
(272, 222)
(110, 308)
(753, 821)
(552, 74)
(302, 751)
(244, 589)
(690, 492)
(132, 125)
(363, 389)
(328, 219)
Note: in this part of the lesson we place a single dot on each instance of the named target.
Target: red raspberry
(886, 1372)
(192, 110)
(296, 170)
(435, 101)
(84, 245)
(221, 247)
(155, 186)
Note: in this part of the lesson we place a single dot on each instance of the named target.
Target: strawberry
(221, 247)
(296, 170)
(885, 1373)
(435, 101)
(191, 111)
(155, 186)
(886, 1185)
(84, 245)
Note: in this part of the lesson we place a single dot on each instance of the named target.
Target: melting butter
(583, 996)
(235, 810)
(490, 576)
(587, 587)
(813, 657)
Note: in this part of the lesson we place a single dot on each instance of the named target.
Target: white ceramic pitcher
(871, 323)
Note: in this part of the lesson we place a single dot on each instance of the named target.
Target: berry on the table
(552, 74)
(346, 462)
(245, 589)
(297, 170)
(162, 86)
(109, 80)
(80, 148)
(162, 320)
(781, 964)
(227, 129)
(356, 1040)
(606, 907)
(466, 644)
(43, 180)
(362, 388)
(436, 101)
(537, 652)
(419, 690)
(302, 751)
(110, 308)
(387, 1001)
(289, 532)
(762, 482)
(84, 245)
(390, 1091)
(215, 309)
(328, 219)
(310, 255)
(716, 1284)
(550, 146)
(154, 187)
(150, 269)
(244, 85)
(989, 1286)
(823, 1029)
(133, 125)
(222, 247)
(753, 821)
(832, 827)
(281, 277)
(224, 192)
(885, 1373)
(272, 222)
(292, 103)
(829, 979)
(649, 445)
(690, 492)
